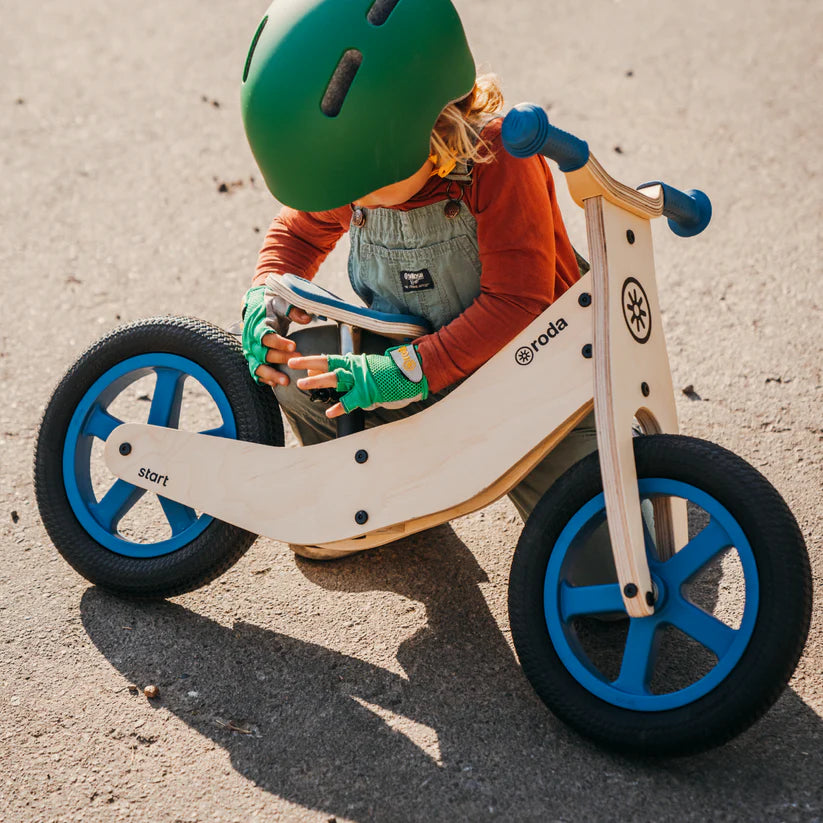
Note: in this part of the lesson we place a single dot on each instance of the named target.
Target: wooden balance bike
(678, 645)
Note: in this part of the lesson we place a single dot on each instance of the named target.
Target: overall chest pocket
(437, 281)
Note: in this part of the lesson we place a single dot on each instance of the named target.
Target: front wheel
(731, 618)
(177, 372)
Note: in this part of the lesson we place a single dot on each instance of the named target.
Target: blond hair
(456, 134)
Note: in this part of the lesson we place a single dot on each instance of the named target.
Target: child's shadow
(313, 740)
(334, 733)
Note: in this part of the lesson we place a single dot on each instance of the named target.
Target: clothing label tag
(416, 280)
(407, 360)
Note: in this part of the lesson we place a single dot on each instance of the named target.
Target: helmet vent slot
(254, 46)
(340, 82)
(380, 11)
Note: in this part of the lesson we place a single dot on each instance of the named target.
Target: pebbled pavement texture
(382, 687)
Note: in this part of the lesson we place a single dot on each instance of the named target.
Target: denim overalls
(423, 262)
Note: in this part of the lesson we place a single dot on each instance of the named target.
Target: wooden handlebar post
(632, 381)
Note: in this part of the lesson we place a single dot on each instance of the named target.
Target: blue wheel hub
(101, 515)
(564, 602)
(659, 591)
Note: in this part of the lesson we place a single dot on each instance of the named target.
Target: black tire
(780, 621)
(219, 544)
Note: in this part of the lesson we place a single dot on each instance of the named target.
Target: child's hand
(393, 379)
(319, 378)
(262, 341)
(280, 349)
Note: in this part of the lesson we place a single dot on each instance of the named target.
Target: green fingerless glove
(263, 313)
(391, 380)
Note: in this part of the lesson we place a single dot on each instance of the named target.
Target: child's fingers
(336, 410)
(316, 362)
(299, 316)
(270, 376)
(279, 343)
(278, 356)
(318, 381)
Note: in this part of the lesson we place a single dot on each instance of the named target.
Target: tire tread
(220, 545)
(776, 645)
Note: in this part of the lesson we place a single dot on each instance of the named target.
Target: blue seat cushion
(311, 291)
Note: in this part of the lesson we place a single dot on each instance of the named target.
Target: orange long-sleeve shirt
(526, 258)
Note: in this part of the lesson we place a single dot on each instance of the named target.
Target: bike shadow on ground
(458, 735)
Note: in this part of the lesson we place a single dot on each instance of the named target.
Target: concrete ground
(382, 687)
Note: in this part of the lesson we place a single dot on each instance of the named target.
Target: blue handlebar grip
(527, 131)
(688, 212)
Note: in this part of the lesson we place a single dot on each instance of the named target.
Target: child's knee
(290, 397)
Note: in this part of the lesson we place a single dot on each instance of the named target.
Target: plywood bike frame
(477, 443)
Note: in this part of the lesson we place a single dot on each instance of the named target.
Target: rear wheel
(731, 617)
(172, 371)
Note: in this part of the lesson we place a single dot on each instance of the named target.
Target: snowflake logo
(635, 306)
(636, 310)
(524, 355)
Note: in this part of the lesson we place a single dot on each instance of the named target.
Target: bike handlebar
(527, 131)
(688, 212)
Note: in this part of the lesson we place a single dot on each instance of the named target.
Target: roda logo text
(525, 354)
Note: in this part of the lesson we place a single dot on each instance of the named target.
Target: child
(444, 223)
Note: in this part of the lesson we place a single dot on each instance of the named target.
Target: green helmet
(340, 97)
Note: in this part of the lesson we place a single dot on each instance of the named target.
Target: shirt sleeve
(297, 242)
(513, 202)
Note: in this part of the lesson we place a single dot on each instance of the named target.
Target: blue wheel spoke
(639, 656)
(101, 512)
(588, 657)
(100, 423)
(579, 600)
(220, 431)
(168, 394)
(706, 629)
(180, 517)
(695, 554)
(115, 503)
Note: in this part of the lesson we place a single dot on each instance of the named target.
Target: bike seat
(316, 300)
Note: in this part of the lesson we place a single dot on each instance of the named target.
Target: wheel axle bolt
(587, 351)
(630, 590)
(125, 449)
(650, 598)
(361, 456)
(585, 300)
(361, 517)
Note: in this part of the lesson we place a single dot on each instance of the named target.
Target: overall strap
(462, 172)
